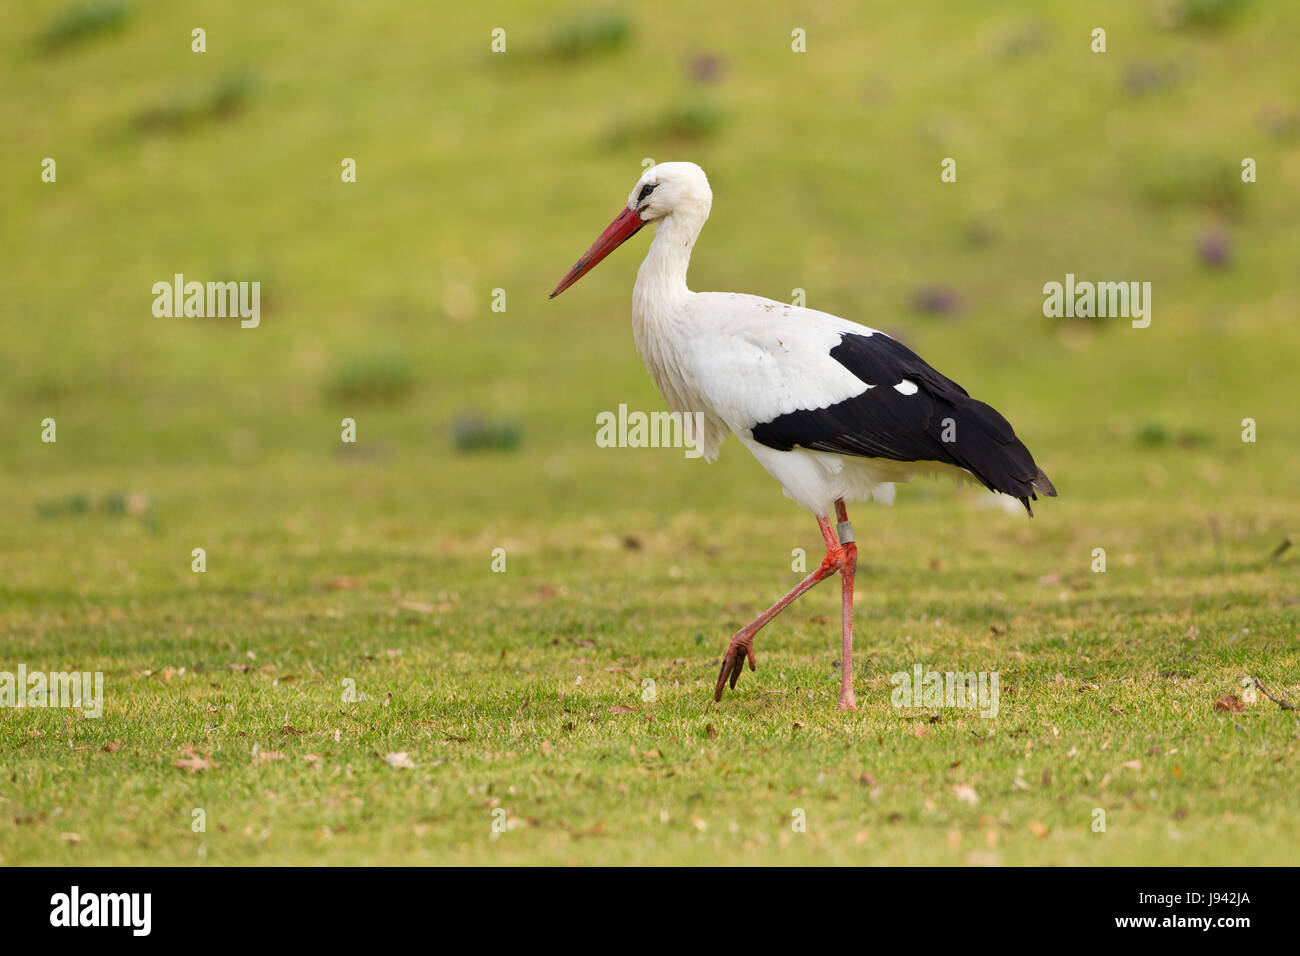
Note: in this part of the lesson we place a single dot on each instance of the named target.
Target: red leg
(742, 644)
(847, 700)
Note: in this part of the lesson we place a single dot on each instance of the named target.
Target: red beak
(625, 225)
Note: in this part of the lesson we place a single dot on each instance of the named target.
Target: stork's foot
(741, 650)
(742, 643)
(848, 702)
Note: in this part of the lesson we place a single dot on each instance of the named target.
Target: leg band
(845, 531)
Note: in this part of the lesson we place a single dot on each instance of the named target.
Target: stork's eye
(646, 190)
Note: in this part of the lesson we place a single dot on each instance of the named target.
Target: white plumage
(834, 410)
(742, 359)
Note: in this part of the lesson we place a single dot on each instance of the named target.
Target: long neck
(661, 280)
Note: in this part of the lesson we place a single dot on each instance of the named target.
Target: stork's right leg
(742, 644)
(847, 700)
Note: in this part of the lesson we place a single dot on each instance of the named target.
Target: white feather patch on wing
(753, 359)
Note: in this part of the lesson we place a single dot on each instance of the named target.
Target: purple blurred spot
(936, 300)
(706, 68)
(1214, 248)
(1142, 77)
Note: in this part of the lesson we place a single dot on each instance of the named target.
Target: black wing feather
(884, 423)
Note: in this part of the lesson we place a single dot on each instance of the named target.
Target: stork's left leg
(845, 533)
(742, 644)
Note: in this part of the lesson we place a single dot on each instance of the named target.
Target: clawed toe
(733, 665)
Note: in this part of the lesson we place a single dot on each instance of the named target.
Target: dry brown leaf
(1231, 703)
(193, 762)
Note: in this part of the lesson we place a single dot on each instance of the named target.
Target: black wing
(938, 422)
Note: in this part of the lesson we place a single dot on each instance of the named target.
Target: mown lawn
(351, 681)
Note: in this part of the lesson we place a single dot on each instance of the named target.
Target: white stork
(833, 410)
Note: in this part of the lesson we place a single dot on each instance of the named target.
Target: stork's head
(669, 187)
(665, 190)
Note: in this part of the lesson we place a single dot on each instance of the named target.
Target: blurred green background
(479, 171)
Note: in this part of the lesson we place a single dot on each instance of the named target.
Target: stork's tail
(996, 456)
(1041, 484)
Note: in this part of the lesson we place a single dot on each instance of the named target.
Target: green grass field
(517, 698)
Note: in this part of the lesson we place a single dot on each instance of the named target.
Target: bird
(835, 411)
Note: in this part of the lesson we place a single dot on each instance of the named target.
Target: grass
(370, 565)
